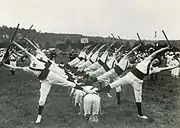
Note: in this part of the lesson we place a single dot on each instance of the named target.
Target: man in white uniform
(136, 76)
(47, 78)
(105, 68)
(47, 62)
(91, 105)
(97, 64)
(116, 72)
(78, 59)
(93, 58)
(101, 60)
(12, 59)
(87, 56)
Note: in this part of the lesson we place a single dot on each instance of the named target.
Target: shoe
(87, 117)
(38, 120)
(109, 95)
(95, 119)
(91, 118)
(143, 116)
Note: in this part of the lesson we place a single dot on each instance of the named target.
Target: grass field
(19, 100)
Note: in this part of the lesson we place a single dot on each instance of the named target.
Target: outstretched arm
(31, 44)
(169, 68)
(110, 46)
(18, 54)
(158, 51)
(135, 48)
(94, 49)
(100, 48)
(88, 46)
(80, 87)
(11, 66)
(119, 49)
(166, 68)
(23, 49)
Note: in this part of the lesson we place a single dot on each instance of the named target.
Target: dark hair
(23, 57)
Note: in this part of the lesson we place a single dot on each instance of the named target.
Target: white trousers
(74, 62)
(44, 91)
(176, 72)
(80, 63)
(84, 65)
(54, 68)
(108, 76)
(91, 101)
(97, 72)
(51, 79)
(133, 81)
(92, 67)
(13, 63)
(56, 79)
(78, 94)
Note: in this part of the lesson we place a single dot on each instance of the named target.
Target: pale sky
(123, 18)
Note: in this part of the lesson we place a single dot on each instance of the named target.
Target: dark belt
(67, 73)
(42, 60)
(48, 64)
(44, 73)
(70, 78)
(138, 73)
(92, 93)
(80, 58)
(91, 61)
(100, 62)
(13, 60)
(118, 70)
(106, 67)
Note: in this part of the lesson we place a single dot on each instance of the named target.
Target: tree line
(71, 41)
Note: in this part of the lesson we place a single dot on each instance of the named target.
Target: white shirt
(94, 56)
(104, 56)
(154, 70)
(123, 63)
(82, 54)
(42, 56)
(111, 62)
(35, 64)
(143, 65)
(89, 55)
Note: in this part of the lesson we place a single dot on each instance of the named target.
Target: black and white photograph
(89, 64)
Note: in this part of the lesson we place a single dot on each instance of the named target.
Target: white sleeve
(155, 70)
(26, 69)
